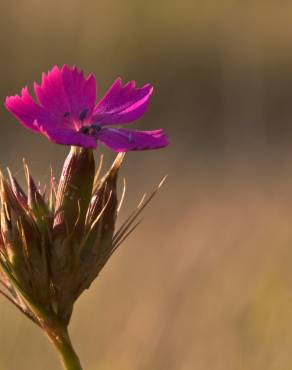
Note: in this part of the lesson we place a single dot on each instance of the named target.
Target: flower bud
(100, 225)
(74, 191)
(24, 247)
(73, 198)
(52, 249)
(37, 206)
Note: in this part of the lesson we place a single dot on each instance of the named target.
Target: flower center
(92, 130)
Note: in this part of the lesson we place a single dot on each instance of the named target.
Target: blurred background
(205, 282)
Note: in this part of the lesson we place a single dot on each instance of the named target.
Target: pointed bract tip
(117, 163)
(123, 195)
(17, 189)
(142, 200)
(2, 185)
(162, 181)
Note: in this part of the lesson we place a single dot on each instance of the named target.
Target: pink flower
(66, 111)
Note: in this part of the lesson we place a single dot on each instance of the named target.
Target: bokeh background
(205, 283)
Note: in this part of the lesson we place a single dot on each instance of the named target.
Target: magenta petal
(66, 90)
(65, 106)
(27, 111)
(69, 137)
(51, 93)
(122, 104)
(121, 140)
(81, 92)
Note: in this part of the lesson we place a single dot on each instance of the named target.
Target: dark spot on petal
(83, 114)
(130, 138)
(66, 114)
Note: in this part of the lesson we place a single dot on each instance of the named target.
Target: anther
(96, 128)
(83, 114)
(90, 130)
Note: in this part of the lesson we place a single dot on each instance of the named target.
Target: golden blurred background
(205, 283)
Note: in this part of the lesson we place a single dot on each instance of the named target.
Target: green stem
(60, 338)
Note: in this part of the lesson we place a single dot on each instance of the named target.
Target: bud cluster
(52, 246)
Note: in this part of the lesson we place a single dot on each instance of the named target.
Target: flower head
(54, 244)
(66, 111)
